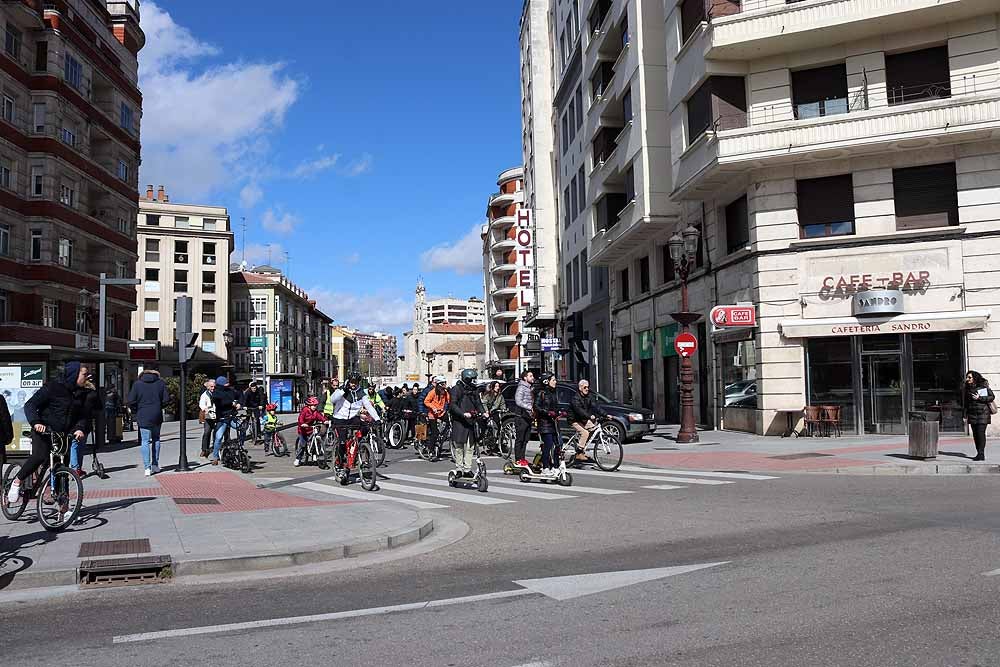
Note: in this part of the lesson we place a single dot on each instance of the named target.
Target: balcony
(631, 233)
(503, 221)
(972, 113)
(504, 268)
(766, 28)
(506, 244)
(604, 146)
(506, 198)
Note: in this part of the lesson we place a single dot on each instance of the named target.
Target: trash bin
(923, 440)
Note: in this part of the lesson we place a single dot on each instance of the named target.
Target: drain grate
(114, 548)
(124, 571)
(803, 455)
(197, 501)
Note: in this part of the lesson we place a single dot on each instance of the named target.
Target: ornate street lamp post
(227, 338)
(683, 252)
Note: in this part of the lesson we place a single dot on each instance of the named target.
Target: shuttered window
(737, 225)
(699, 112)
(692, 14)
(821, 91)
(918, 75)
(925, 196)
(826, 206)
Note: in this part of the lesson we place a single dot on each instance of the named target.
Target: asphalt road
(820, 570)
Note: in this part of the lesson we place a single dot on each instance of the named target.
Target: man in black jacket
(465, 406)
(147, 397)
(58, 407)
(584, 416)
(253, 401)
(226, 402)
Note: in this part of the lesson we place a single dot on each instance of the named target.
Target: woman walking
(978, 406)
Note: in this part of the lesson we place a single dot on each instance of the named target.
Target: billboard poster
(18, 383)
(281, 394)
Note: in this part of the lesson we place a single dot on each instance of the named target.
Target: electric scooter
(477, 480)
(533, 471)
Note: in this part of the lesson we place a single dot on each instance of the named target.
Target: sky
(360, 139)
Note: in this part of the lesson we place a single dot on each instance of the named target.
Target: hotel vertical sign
(524, 275)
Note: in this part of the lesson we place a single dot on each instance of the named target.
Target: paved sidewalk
(209, 520)
(728, 450)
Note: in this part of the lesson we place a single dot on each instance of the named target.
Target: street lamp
(683, 251)
(227, 338)
(429, 358)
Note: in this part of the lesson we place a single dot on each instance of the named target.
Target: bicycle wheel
(396, 434)
(608, 452)
(378, 449)
(12, 511)
(279, 446)
(569, 451)
(425, 451)
(366, 466)
(507, 437)
(59, 499)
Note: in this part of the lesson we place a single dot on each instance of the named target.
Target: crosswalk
(430, 489)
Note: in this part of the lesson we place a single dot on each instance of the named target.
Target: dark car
(631, 423)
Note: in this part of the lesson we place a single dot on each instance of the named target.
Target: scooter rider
(347, 406)
(584, 417)
(465, 407)
(523, 408)
(546, 412)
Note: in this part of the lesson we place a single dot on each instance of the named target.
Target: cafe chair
(831, 418)
(813, 418)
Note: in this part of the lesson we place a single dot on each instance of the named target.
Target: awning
(961, 320)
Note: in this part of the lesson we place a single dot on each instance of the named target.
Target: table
(789, 412)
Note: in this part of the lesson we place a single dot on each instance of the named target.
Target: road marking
(508, 492)
(654, 478)
(991, 573)
(663, 487)
(476, 499)
(366, 495)
(697, 473)
(578, 585)
(498, 477)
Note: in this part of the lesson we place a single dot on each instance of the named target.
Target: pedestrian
(523, 408)
(94, 410)
(546, 413)
(206, 415)
(147, 398)
(226, 403)
(499, 375)
(978, 407)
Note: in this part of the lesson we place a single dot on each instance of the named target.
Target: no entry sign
(686, 345)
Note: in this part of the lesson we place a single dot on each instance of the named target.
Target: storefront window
(937, 376)
(831, 378)
(739, 374)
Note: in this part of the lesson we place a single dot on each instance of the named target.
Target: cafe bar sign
(877, 302)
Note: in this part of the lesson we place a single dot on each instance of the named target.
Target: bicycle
(492, 442)
(234, 454)
(128, 421)
(275, 444)
(56, 489)
(397, 430)
(607, 449)
(431, 451)
(358, 450)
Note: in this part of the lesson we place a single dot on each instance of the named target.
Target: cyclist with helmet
(348, 403)
(465, 407)
(546, 412)
(270, 425)
(376, 399)
(331, 388)
(309, 415)
(436, 403)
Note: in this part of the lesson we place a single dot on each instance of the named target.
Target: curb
(415, 532)
(916, 470)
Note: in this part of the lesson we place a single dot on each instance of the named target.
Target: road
(815, 570)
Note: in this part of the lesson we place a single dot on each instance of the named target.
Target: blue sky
(361, 138)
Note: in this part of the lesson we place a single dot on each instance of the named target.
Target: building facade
(463, 343)
(376, 353)
(185, 251)
(71, 113)
(279, 335)
(345, 351)
(456, 311)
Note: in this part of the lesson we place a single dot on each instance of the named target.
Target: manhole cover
(803, 455)
(197, 501)
(114, 548)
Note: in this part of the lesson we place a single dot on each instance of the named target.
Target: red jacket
(307, 418)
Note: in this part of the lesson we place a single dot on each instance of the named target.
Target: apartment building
(376, 352)
(841, 158)
(344, 350)
(185, 251)
(449, 310)
(70, 113)
(279, 335)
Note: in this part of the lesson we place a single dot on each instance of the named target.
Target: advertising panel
(281, 393)
(18, 383)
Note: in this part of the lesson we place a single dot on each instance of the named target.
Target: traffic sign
(686, 344)
(733, 316)
(258, 341)
(551, 344)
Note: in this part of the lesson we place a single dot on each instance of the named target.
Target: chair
(831, 418)
(812, 415)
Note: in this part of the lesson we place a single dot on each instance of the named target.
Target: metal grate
(197, 501)
(802, 455)
(114, 548)
(125, 571)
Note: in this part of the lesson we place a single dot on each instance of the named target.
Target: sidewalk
(729, 450)
(211, 520)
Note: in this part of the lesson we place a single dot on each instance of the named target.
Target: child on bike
(270, 426)
(310, 415)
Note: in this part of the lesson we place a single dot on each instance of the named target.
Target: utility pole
(244, 219)
(269, 254)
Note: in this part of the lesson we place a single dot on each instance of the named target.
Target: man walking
(524, 409)
(206, 410)
(147, 398)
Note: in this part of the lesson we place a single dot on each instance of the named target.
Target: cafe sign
(877, 302)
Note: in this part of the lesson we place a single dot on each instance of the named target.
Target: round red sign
(686, 344)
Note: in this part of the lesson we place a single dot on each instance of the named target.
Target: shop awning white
(961, 320)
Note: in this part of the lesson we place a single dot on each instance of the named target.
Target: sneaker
(523, 463)
(156, 469)
(149, 471)
(14, 493)
(79, 473)
(297, 463)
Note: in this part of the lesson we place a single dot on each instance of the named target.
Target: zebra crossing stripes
(500, 478)
(525, 493)
(654, 478)
(698, 473)
(366, 495)
(474, 498)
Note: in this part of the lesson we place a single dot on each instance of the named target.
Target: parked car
(737, 391)
(627, 422)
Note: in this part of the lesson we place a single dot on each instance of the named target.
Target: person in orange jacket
(436, 403)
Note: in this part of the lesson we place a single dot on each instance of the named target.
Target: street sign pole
(185, 343)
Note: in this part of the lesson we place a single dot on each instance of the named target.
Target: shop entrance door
(882, 385)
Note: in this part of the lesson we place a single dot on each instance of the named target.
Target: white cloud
(278, 221)
(250, 195)
(311, 168)
(202, 126)
(368, 312)
(465, 256)
(360, 166)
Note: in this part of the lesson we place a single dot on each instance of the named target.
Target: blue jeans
(75, 455)
(150, 438)
(220, 432)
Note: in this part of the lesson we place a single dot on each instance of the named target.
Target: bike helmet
(312, 401)
(545, 377)
(274, 406)
(469, 376)
(440, 379)
(354, 378)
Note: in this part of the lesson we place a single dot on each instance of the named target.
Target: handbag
(992, 406)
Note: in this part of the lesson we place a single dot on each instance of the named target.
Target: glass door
(882, 385)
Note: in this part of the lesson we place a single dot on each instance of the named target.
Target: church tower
(420, 308)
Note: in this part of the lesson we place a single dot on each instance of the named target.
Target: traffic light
(185, 337)
(185, 346)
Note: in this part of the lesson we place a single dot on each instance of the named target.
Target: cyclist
(270, 425)
(465, 406)
(309, 415)
(332, 388)
(376, 399)
(523, 408)
(58, 407)
(584, 415)
(546, 411)
(252, 402)
(226, 402)
(436, 403)
(347, 406)
(494, 402)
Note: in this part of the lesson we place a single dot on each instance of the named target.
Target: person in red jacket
(311, 414)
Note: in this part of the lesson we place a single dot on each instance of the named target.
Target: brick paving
(233, 493)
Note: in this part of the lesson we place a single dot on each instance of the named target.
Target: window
(451, 366)
(627, 105)
(6, 173)
(152, 220)
(579, 107)
(624, 28)
(66, 252)
(9, 108)
(121, 269)
(257, 330)
(597, 15)
(208, 338)
(181, 252)
(209, 224)
(737, 225)
(629, 184)
(699, 112)
(73, 72)
(208, 311)
(240, 312)
(565, 134)
(68, 135)
(719, 104)
(568, 282)
(37, 181)
(918, 75)
(181, 280)
(644, 285)
(41, 56)
(80, 323)
(821, 91)
(925, 196)
(12, 42)
(151, 334)
(571, 119)
(4, 306)
(208, 282)
(67, 194)
(623, 285)
(566, 218)
(574, 199)
(50, 313)
(584, 273)
(258, 308)
(125, 117)
(123, 170)
(123, 225)
(36, 245)
(826, 206)
(581, 182)
(208, 253)
(576, 278)
(4, 239)
(151, 310)
(152, 250)
(692, 15)
(38, 116)
(152, 280)
(182, 222)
